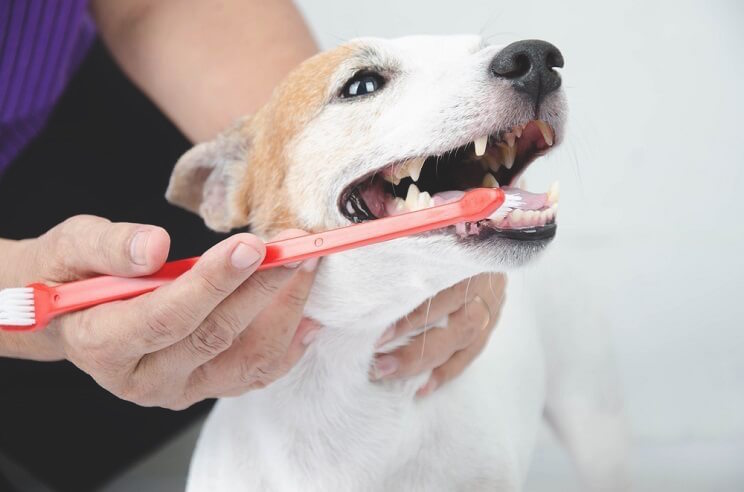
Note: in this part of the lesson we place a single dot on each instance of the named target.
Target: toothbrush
(31, 308)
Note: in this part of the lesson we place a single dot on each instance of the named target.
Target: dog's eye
(362, 84)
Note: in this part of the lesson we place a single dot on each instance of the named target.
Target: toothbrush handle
(474, 205)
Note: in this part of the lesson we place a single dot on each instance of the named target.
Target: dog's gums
(490, 161)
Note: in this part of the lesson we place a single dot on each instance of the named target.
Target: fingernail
(311, 264)
(386, 336)
(426, 389)
(243, 256)
(385, 365)
(309, 337)
(138, 247)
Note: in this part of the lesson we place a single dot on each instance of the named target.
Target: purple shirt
(42, 42)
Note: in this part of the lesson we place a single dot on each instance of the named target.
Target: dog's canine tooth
(489, 181)
(517, 130)
(509, 154)
(414, 167)
(412, 197)
(554, 194)
(547, 133)
(480, 145)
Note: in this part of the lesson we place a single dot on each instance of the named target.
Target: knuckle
(163, 320)
(260, 284)
(212, 337)
(258, 369)
(297, 299)
(213, 288)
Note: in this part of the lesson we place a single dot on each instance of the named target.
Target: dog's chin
(505, 252)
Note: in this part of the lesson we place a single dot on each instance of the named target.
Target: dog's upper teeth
(509, 153)
(517, 130)
(414, 167)
(546, 131)
(510, 138)
(489, 181)
(480, 145)
(349, 207)
(391, 178)
(554, 194)
(412, 198)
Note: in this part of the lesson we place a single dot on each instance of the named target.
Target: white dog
(373, 128)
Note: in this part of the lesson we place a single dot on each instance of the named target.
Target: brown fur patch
(262, 197)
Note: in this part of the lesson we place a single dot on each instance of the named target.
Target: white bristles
(510, 203)
(17, 307)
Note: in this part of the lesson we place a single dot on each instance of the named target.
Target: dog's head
(378, 127)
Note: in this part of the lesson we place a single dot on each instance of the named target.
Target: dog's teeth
(414, 167)
(489, 181)
(349, 207)
(493, 162)
(424, 200)
(391, 179)
(509, 154)
(480, 145)
(554, 194)
(517, 130)
(412, 197)
(516, 217)
(547, 133)
(510, 138)
(399, 204)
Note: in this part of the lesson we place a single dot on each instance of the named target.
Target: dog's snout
(529, 65)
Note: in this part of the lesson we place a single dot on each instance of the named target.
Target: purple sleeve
(42, 42)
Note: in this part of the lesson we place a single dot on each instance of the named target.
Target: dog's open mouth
(490, 161)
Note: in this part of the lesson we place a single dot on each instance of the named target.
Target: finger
(273, 298)
(86, 245)
(267, 348)
(434, 347)
(443, 304)
(163, 317)
(454, 366)
(239, 370)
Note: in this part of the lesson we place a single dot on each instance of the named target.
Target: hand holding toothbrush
(218, 330)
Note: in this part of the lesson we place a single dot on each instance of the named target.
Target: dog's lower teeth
(489, 181)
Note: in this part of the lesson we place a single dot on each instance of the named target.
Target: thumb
(85, 245)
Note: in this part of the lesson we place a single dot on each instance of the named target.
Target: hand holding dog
(473, 307)
(218, 330)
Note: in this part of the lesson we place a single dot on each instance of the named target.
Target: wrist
(40, 346)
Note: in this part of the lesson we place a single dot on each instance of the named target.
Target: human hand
(218, 330)
(473, 307)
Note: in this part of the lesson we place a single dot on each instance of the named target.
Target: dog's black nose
(529, 66)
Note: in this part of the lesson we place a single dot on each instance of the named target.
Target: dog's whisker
(426, 328)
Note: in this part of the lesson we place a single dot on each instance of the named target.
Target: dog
(379, 127)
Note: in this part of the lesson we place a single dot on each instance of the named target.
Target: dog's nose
(529, 66)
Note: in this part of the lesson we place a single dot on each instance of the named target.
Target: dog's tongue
(530, 201)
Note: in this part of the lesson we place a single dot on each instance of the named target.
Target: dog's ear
(206, 178)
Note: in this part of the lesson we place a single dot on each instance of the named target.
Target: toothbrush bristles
(17, 307)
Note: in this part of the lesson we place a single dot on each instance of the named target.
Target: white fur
(325, 426)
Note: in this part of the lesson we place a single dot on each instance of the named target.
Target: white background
(651, 206)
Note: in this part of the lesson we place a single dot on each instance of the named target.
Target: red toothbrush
(31, 308)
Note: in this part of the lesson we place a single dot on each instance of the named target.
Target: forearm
(205, 63)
